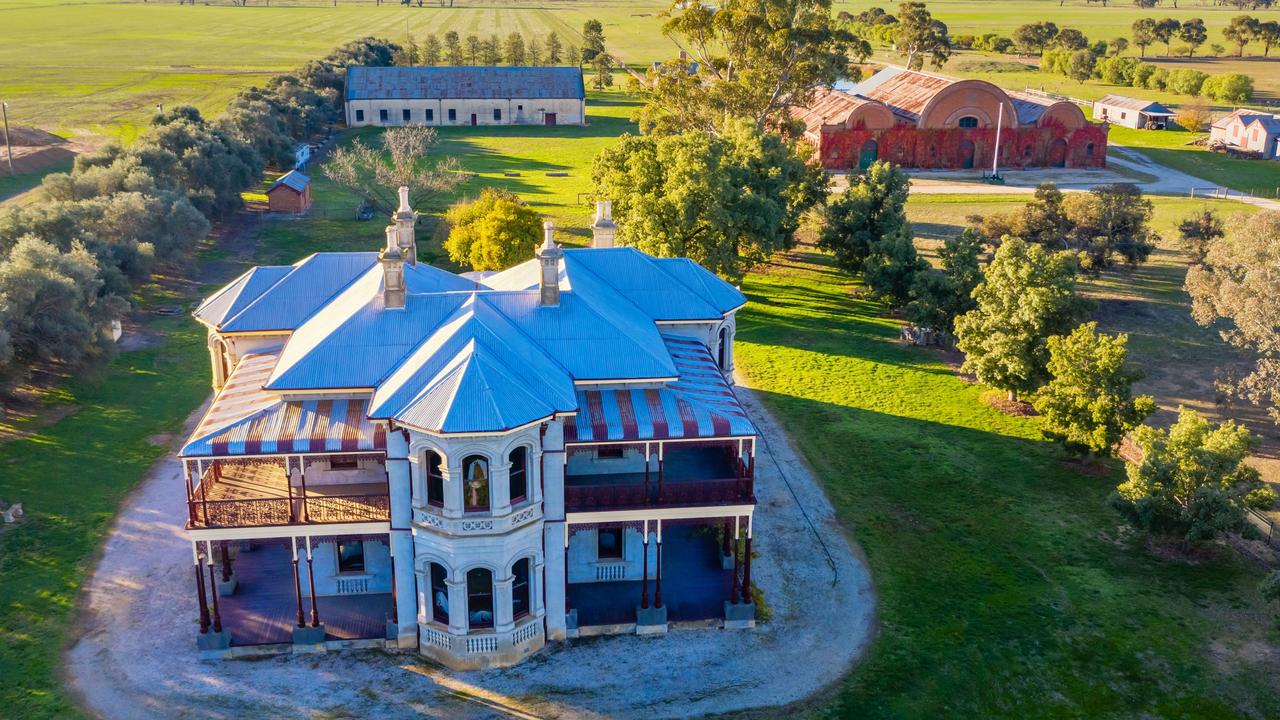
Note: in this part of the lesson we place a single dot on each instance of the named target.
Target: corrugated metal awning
(246, 420)
(699, 405)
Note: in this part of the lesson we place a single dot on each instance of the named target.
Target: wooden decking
(264, 608)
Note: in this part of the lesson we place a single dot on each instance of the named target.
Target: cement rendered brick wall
(584, 560)
(515, 111)
(324, 558)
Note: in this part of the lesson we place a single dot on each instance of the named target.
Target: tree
(554, 48)
(533, 54)
(602, 66)
(376, 174)
(1234, 88)
(431, 50)
(1144, 34)
(1080, 65)
(1088, 403)
(1199, 232)
(453, 48)
(1194, 116)
(1268, 33)
(491, 51)
(1164, 30)
(938, 297)
(475, 50)
(1269, 588)
(1118, 45)
(592, 40)
(1035, 37)
(1193, 480)
(1185, 81)
(1027, 295)
(1193, 33)
(918, 36)
(573, 54)
(892, 267)
(492, 232)
(726, 201)
(1070, 39)
(1241, 31)
(871, 208)
(747, 59)
(1237, 282)
(513, 50)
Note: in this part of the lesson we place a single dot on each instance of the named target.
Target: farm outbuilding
(921, 120)
(1132, 112)
(1248, 131)
(480, 95)
(290, 193)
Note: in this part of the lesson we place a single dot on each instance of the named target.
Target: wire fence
(1266, 526)
(1222, 193)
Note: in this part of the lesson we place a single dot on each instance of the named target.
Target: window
(382, 115)
(497, 115)
(406, 115)
(1122, 115)
(520, 588)
(351, 557)
(359, 116)
(519, 460)
(475, 478)
(343, 462)
(435, 479)
(722, 354)
(453, 114)
(479, 598)
(1088, 150)
(439, 594)
(610, 452)
(431, 115)
(1027, 150)
(968, 121)
(609, 544)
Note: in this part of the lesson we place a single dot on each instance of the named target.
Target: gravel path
(135, 651)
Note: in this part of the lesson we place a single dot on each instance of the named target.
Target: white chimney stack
(404, 219)
(393, 290)
(549, 258)
(602, 228)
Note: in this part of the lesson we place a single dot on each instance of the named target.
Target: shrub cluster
(69, 265)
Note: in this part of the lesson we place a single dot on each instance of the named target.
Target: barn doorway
(868, 154)
(966, 154)
(549, 118)
(1058, 153)
(473, 119)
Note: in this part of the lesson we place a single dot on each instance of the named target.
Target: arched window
(479, 598)
(520, 594)
(475, 483)
(519, 459)
(439, 594)
(435, 479)
(722, 355)
(968, 122)
(1027, 150)
(1088, 150)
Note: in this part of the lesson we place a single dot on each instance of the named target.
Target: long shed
(1132, 112)
(470, 95)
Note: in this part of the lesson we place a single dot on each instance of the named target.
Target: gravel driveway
(134, 655)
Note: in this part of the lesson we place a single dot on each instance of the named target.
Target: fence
(1222, 193)
(1266, 526)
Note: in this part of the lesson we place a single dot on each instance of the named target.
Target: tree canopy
(918, 36)
(871, 208)
(725, 201)
(939, 296)
(376, 174)
(492, 232)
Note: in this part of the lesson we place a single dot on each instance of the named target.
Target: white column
(451, 471)
(457, 606)
(551, 576)
(551, 466)
(503, 615)
(500, 487)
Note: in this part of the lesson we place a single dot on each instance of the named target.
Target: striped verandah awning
(700, 405)
(247, 420)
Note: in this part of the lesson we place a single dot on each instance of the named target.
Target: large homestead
(397, 454)
(481, 95)
(921, 120)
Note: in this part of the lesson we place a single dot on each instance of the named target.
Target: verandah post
(204, 603)
(213, 585)
(311, 582)
(297, 582)
(644, 582)
(226, 562)
(657, 595)
(746, 567)
(733, 589)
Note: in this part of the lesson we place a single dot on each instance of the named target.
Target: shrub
(1185, 81)
(1232, 88)
(493, 232)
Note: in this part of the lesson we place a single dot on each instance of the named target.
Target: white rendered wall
(568, 111)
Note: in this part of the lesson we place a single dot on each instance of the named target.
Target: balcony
(691, 476)
(258, 493)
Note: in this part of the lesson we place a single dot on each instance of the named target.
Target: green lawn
(70, 477)
(489, 152)
(1171, 148)
(1007, 588)
(11, 185)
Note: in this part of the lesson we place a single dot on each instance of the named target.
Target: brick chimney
(602, 228)
(404, 219)
(549, 258)
(392, 261)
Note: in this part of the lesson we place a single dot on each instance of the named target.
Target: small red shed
(291, 193)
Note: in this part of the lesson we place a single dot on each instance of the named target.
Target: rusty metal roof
(906, 92)
(1127, 103)
(464, 83)
(829, 107)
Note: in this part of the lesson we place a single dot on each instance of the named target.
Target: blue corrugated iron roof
(306, 288)
(293, 180)
(464, 83)
(237, 295)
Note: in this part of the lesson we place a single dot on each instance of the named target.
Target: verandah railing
(258, 512)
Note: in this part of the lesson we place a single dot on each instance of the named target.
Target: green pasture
(1172, 148)
(11, 185)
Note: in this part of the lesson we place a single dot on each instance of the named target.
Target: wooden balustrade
(678, 493)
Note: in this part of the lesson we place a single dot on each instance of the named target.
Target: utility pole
(4, 107)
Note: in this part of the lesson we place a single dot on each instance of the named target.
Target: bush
(1185, 82)
(1142, 72)
(1232, 88)
(1117, 70)
(493, 232)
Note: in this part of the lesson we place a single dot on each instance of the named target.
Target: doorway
(1058, 153)
(549, 118)
(868, 154)
(473, 119)
(966, 154)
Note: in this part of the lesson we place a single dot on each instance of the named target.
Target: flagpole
(995, 153)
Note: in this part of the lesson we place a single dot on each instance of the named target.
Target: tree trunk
(1013, 396)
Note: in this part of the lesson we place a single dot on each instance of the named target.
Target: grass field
(1169, 147)
(1007, 587)
(11, 185)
